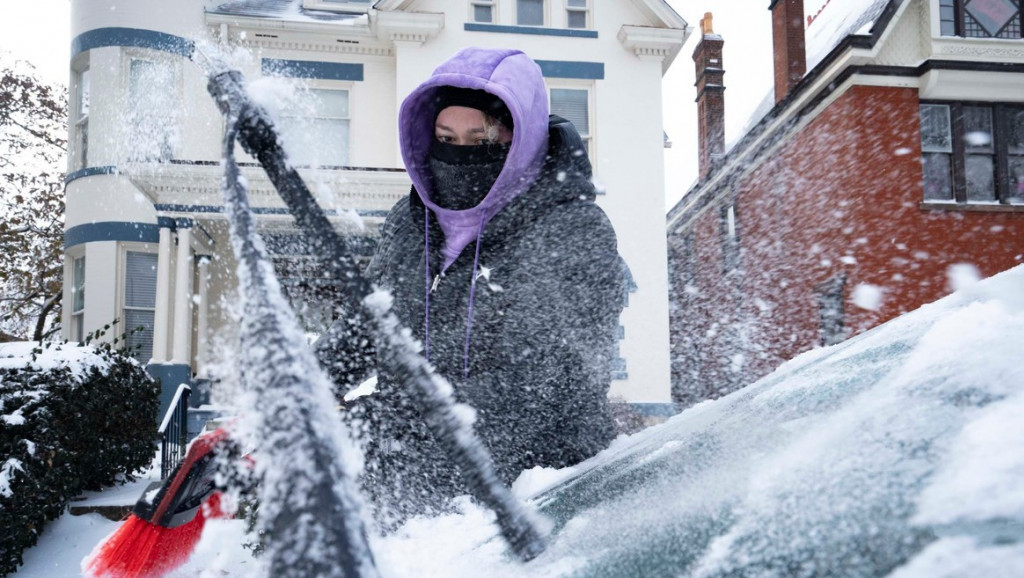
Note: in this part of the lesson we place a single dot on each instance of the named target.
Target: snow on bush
(72, 418)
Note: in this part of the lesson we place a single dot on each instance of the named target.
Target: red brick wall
(841, 198)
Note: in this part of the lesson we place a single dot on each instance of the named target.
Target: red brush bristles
(139, 549)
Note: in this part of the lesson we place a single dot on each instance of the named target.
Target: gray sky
(37, 31)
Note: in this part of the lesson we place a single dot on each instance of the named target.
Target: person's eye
(483, 141)
(445, 138)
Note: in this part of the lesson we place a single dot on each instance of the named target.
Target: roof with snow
(284, 10)
(834, 21)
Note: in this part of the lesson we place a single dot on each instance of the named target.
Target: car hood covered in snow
(898, 452)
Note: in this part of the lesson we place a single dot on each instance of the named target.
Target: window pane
(1015, 186)
(938, 183)
(985, 18)
(482, 13)
(1016, 137)
(84, 88)
(980, 178)
(978, 129)
(140, 342)
(572, 105)
(577, 3)
(577, 19)
(329, 103)
(78, 285)
(151, 91)
(140, 280)
(1015, 150)
(315, 131)
(316, 142)
(530, 12)
(935, 133)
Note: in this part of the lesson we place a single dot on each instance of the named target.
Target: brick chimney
(788, 43)
(710, 99)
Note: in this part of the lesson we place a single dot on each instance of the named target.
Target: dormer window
(980, 18)
(338, 5)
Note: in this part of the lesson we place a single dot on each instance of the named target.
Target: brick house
(891, 159)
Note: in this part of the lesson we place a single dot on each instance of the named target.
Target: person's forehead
(460, 114)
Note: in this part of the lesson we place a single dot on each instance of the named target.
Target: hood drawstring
(426, 295)
(472, 298)
(428, 287)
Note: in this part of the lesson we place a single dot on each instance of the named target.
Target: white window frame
(492, 4)
(122, 298)
(338, 5)
(332, 85)
(587, 10)
(175, 115)
(590, 138)
(77, 316)
(79, 156)
(544, 15)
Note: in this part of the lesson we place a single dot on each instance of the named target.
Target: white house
(146, 237)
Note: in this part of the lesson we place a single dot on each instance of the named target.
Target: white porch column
(183, 298)
(204, 309)
(161, 326)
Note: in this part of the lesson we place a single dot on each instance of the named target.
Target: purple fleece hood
(517, 81)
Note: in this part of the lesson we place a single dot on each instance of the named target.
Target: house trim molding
(571, 69)
(131, 37)
(312, 69)
(536, 30)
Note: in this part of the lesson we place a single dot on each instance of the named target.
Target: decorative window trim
(492, 4)
(957, 152)
(530, 30)
(590, 138)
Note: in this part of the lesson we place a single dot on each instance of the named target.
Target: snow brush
(167, 521)
(398, 351)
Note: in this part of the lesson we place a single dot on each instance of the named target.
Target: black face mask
(463, 175)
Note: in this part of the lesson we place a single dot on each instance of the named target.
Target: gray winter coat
(543, 333)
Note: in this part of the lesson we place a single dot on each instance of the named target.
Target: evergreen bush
(72, 418)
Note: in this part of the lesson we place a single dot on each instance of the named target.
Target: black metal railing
(174, 431)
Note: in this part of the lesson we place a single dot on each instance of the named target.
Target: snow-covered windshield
(899, 451)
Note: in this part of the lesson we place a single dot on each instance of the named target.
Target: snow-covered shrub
(71, 419)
